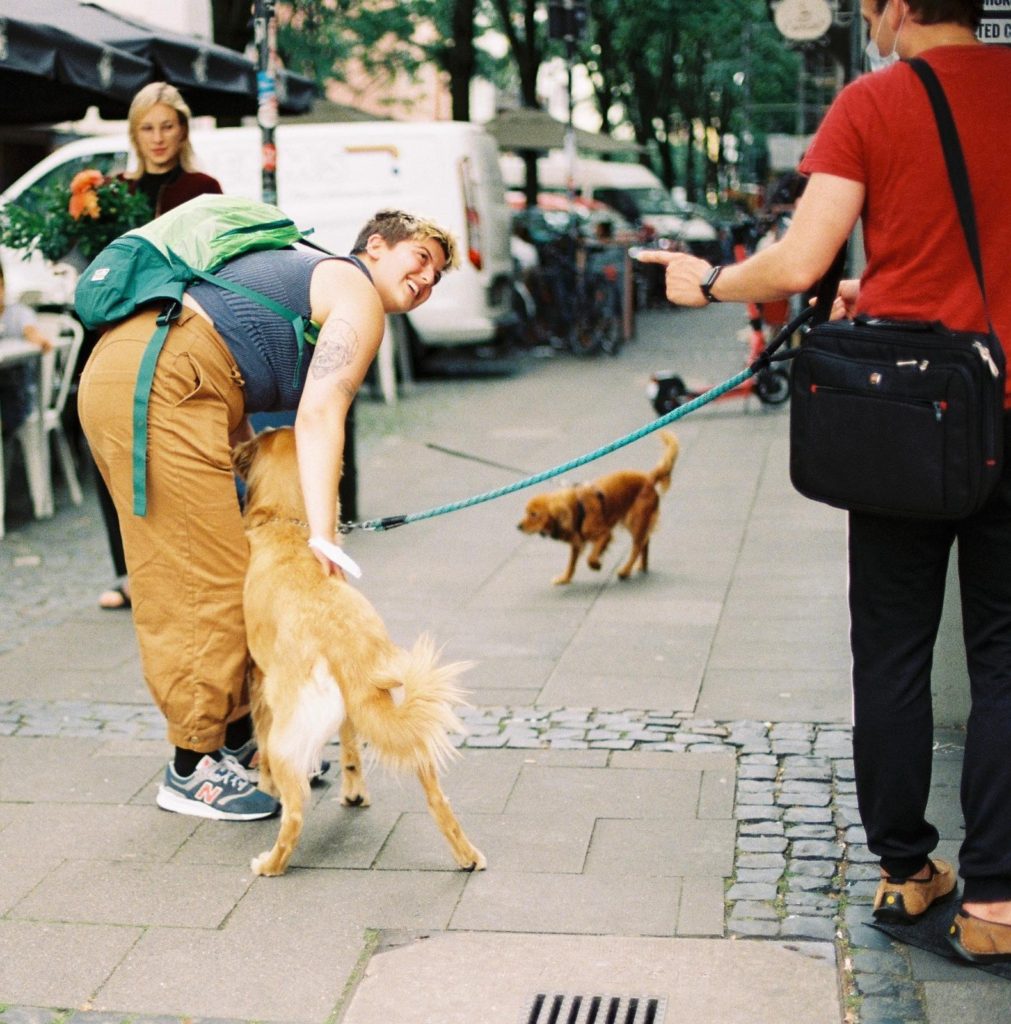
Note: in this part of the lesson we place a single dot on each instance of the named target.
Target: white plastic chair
(56, 376)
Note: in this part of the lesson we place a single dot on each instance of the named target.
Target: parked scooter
(668, 390)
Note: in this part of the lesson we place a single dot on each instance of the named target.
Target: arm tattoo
(336, 348)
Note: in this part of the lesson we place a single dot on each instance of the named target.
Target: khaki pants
(187, 557)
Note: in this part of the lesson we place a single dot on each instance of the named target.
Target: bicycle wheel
(610, 329)
(584, 339)
(772, 386)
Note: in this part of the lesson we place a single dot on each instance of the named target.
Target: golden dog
(588, 513)
(324, 664)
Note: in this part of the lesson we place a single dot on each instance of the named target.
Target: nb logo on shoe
(207, 793)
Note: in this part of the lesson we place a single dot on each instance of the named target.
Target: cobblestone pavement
(801, 867)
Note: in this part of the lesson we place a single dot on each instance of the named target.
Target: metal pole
(265, 35)
(570, 129)
(747, 156)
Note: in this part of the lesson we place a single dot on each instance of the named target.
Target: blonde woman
(166, 174)
(160, 136)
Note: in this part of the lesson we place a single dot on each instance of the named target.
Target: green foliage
(681, 69)
(44, 222)
(681, 73)
(319, 37)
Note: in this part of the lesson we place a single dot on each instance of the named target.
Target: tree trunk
(232, 23)
(462, 60)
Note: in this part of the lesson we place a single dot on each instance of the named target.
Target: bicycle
(598, 326)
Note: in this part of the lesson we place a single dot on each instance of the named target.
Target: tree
(677, 68)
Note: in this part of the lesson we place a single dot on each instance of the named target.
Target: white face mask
(875, 59)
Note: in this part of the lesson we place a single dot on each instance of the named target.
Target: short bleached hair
(395, 226)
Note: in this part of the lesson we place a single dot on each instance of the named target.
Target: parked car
(630, 188)
(332, 177)
(554, 212)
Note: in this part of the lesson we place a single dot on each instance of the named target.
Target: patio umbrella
(531, 128)
(296, 94)
(50, 74)
(213, 79)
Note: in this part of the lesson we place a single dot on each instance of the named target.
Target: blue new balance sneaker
(217, 789)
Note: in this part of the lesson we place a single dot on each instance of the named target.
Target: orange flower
(85, 181)
(83, 203)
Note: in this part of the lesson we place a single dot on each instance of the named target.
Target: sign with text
(996, 24)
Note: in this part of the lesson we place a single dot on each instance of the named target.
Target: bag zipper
(984, 354)
(939, 407)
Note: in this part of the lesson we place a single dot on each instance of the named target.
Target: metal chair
(56, 376)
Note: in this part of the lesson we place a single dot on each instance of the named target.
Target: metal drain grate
(559, 1008)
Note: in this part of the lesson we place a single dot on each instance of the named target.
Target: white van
(333, 177)
(630, 188)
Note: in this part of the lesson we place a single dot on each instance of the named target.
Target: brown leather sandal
(979, 941)
(904, 900)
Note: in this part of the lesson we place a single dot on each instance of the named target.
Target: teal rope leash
(389, 522)
(761, 361)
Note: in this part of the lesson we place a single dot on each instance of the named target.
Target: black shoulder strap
(828, 286)
(955, 161)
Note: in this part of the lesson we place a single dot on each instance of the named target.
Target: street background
(657, 770)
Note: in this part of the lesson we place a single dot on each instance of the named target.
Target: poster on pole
(996, 24)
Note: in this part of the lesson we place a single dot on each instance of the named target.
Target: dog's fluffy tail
(662, 470)
(408, 728)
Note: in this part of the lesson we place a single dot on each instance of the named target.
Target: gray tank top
(262, 342)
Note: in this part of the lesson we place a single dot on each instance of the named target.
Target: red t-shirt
(881, 131)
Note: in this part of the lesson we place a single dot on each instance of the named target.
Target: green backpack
(159, 261)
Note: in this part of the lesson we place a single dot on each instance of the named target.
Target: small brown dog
(324, 664)
(588, 513)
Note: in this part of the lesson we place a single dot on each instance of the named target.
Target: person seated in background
(18, 383)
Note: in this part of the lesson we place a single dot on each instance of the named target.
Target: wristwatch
(707, 285)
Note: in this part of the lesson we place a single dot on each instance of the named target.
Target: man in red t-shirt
(877, 157)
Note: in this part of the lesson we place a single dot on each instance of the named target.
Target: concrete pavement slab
(60, 965)
(783, 695)
(617, 609)
(578, 904)
(971, 1001)
(738, 555)
(702, 911)
(57, 771)
(458, 979)
(184, 973)
(662, 849)
(24, 868)
(507, 680)
(606, 793)
(96, 832)
(673, 689)
(318, 902)
(333, 837)
(534, 843)
(116, 892)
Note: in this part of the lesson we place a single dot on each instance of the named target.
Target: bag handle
(958, 174)
(828, 286)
